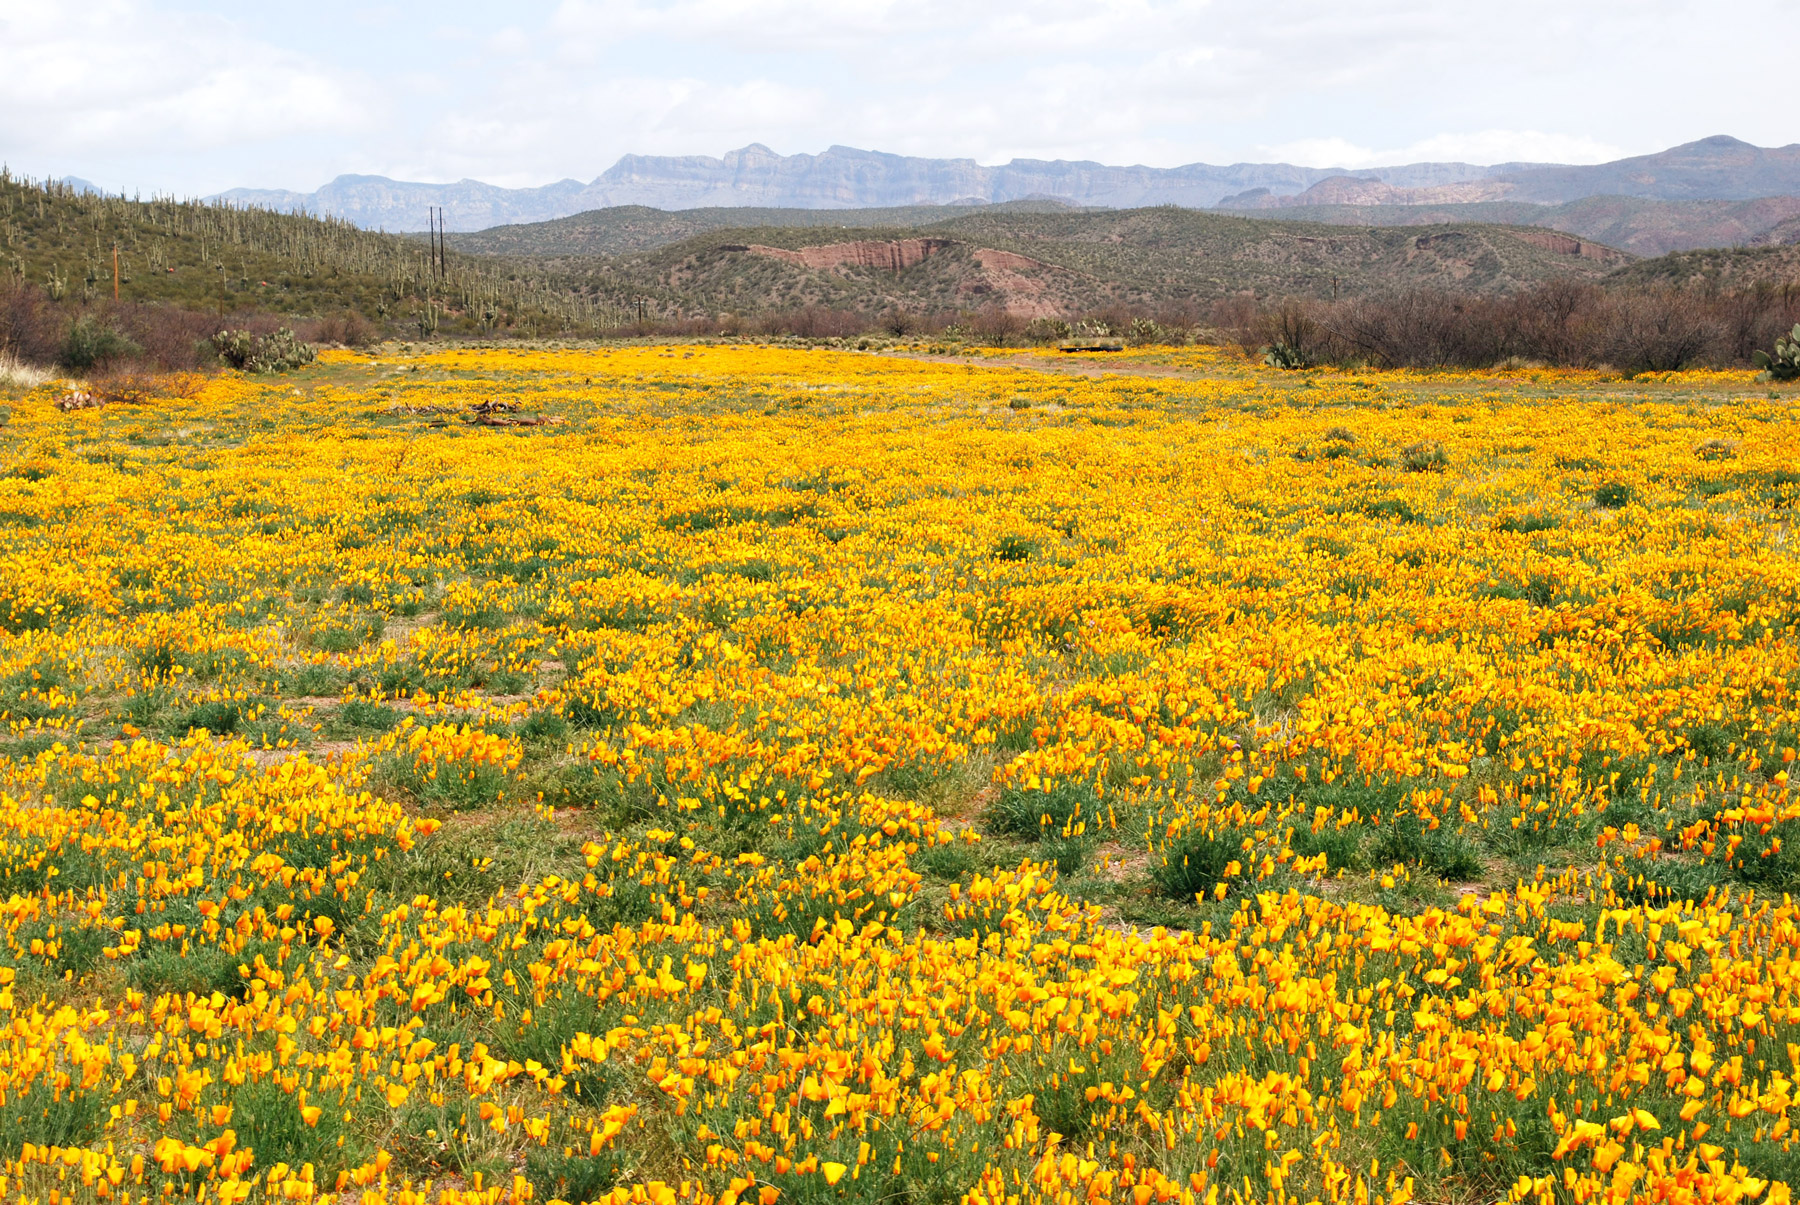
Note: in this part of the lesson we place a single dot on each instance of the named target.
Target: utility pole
(440, 259)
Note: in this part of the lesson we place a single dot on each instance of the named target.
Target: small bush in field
(91, 343)
(1426, 456)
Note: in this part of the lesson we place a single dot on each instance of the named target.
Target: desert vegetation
(1007, 276)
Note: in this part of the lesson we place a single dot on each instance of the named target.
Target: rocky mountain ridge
(1719, 168)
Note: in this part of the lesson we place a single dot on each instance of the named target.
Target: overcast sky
(193, 96)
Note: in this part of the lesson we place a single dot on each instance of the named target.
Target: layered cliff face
(839, 178)
(980, 276)
(894, 255)
(1684, 186)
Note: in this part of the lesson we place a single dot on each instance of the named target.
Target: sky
(191, 97)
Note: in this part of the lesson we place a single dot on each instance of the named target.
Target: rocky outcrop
(1568, 244)
(895, 255)
(1017, 283)
(1007, 261)
(987, 277)
(1364, 191)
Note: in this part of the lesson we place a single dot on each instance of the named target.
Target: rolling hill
(1635, 224)
(624, 229)
(227, 259)
(1067, 261)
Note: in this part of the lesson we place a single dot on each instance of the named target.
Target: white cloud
(119, 76)
(1481, 146)
(516, 94)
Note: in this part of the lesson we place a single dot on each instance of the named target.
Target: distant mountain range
(840, 178)
(1713, 169)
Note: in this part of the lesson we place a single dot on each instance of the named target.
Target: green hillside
(217, 257)
(1640, 225)
(1067, 261)
(1724, 269)
(627, 229)
(599, 271)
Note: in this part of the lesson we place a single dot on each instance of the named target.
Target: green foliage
(1286, 355)
(1612, 495)
(1408, 839)
(1784, 363)
(1196, 862)
(278, 352)
(1426, 456)
(220, 258)
(46, 1117)
(1143, 332)
(1014, 548)
(91, 343)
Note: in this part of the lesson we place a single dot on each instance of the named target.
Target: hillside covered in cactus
(211, 256)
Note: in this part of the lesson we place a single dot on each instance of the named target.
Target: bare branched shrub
(1662, 330)
(1292, 337)
(996, 327)
(348, 329)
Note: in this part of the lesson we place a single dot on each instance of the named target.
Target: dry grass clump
(15, 374)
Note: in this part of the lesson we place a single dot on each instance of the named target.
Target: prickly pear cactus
(1784, 364)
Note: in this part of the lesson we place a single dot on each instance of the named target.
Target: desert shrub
(169, 338)
(1292, 338)
(996, 327)
(1047, 330)
(30, 327)
(348, 329)
(1660, 330)
(1421, 329)
(92, 342)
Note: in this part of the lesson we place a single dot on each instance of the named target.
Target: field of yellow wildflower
(729, 774)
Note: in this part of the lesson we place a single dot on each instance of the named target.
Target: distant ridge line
(1718, 168)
